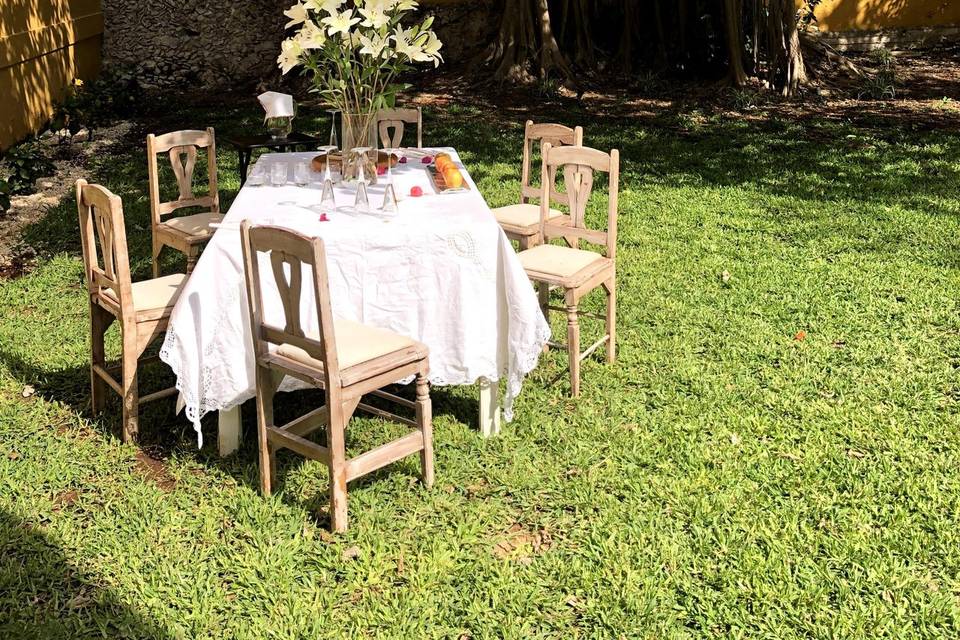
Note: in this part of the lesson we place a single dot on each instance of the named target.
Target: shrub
(114, 94)
(23, 164)
(882, 84)
(4, 195)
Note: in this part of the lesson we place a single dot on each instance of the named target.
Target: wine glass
(333, 128)
(389, 193)
(362, 203)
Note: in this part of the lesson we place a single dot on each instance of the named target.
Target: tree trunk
(733, 19)
(786, 72)
(526, 38)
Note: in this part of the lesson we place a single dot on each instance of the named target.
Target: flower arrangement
(354, 50)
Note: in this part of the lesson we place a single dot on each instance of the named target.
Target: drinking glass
(301, 174)
(278, 174)
(257, 177)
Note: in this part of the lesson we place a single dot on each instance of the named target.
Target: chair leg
(611, 288)
(131, 398)
(573, 345)
(523, 243)
(425, 423)
(193, 254)
(265, 392)
(100, 320)
(338, 465)
(543, 293)
(157, 248)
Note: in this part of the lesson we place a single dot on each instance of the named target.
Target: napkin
(277, 105)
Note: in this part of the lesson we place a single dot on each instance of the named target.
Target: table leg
(244, 162)
(489, 408)
(228, 431)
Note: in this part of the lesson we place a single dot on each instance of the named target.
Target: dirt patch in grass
(520, 544)
(72, 162)
(155, 470)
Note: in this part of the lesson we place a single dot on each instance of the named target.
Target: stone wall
(196, 44)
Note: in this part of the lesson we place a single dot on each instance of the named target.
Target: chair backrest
(289, 252)
(579, 164)
(397, 119)
(101, 223)
(534, 137)
(182, 148)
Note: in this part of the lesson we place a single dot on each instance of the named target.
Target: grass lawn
(776, 453)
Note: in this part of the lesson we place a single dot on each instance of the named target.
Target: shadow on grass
(43, 596)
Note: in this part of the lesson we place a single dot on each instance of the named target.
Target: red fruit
(381, 171)
(426, 159)
(416, 192)
(324, 218)
(403, 160)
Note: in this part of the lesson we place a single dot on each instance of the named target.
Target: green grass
(775, 454)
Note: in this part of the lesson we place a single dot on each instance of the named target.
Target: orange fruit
(443, 163)
(453, 178)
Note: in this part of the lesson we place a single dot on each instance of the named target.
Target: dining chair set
(348, 360)
(567, 267)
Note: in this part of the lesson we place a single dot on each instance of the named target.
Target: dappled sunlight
(44, 46)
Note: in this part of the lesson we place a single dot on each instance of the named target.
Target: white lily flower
(290, 52)
(311, 36)
(431, 50)
(405, 44)
(297, 14)
(406, 5)
(325, 6)
(374, 16)
(340, 22)
(372, 46)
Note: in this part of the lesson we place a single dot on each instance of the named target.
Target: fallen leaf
(28, 391)
(800, 336)
(350, 553)
(734, 439)
(725, 276)
(13, 455)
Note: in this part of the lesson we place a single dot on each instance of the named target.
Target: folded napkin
(277, 105)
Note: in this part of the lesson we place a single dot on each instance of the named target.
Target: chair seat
(522, 216)
(359, 344)
(194, 226)
(562, 265)
(150, 295)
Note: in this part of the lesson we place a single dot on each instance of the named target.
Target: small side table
(246, 144)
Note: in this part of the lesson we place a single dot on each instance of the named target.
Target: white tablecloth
(440, 271)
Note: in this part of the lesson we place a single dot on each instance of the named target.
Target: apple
(416, 191)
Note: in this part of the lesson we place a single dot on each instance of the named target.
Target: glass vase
(358, 130)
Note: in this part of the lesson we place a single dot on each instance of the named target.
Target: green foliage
(882, 83)
(115, 94)
(548, 89)
(743, 99)
(774, 455)
(4, 194)
(22, 165)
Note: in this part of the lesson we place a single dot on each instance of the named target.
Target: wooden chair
(397, 119)
(142, 308)
(521, 222)
(575, 270)
(188, 233)
(347, 359)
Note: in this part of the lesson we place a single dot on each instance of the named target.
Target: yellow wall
(869, 15)
(44, 45)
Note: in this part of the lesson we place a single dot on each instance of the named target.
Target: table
(246, 144)
(440, 271)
